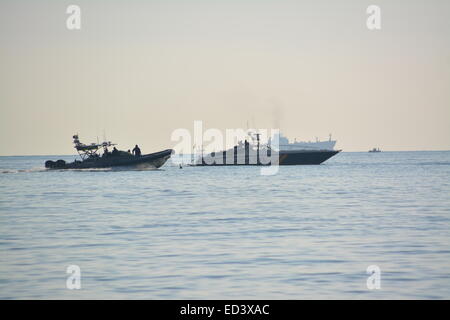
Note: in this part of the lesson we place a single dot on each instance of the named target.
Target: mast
(257, 148)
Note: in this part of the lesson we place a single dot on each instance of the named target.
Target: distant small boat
(375, 150)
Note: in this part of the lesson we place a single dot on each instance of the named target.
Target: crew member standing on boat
(137, 151)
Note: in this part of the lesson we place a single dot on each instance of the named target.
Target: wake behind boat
(92, 157)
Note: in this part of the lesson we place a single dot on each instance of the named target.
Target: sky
(138, 70)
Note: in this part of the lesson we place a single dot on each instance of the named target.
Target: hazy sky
(138, 70)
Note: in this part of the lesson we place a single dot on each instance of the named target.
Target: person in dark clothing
(115, 152)
(137, 151)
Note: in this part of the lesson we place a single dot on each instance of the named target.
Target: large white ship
(285, 145)
(245, 153)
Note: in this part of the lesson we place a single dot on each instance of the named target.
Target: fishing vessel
(375, 150)
(97, 155)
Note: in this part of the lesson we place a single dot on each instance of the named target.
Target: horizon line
(342, 151)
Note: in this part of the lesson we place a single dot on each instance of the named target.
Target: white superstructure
(284, 144)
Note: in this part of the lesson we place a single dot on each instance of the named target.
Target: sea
(359, 226)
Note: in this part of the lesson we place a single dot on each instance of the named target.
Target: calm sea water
(228, 233)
